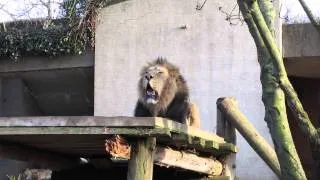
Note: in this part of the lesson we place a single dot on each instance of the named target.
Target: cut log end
(117, 146)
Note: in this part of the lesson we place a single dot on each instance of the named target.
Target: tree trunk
(273, 96)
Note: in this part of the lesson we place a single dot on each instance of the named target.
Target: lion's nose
(149, 76)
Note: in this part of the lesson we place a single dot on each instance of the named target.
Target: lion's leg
(194, 116)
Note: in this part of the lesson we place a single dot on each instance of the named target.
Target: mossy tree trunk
(261, 27)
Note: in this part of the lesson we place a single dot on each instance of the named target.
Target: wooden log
(173, 158)
(231, 111)
(163, 157)
(226, 130)
(141, 159)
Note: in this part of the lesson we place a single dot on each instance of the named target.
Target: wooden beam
(226, 130)
(173, 158)
(189, 130)
(141, 161)
(230, 110)
(77, 121)
(82, 130)
(164, 156)
(132, 126)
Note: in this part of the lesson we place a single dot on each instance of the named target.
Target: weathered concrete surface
(58, 85)
(301, 50)
(42, 86)
(64, 92)
(14, 102)
(300, 40)
(217, 60)
(47, 63)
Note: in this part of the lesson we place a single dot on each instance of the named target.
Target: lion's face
(159, 83)
(152, 81)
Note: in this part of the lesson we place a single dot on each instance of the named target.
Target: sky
(295, 12)
(21, 9)
(25, 9)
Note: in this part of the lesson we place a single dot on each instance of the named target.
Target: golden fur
(163, 92)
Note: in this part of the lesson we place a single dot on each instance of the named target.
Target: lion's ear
(161, 61)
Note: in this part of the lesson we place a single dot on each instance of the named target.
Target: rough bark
(292, 99)
(273, 96)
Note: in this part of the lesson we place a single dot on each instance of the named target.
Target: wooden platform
(85, 136)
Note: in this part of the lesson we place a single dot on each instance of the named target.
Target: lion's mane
(174, 97)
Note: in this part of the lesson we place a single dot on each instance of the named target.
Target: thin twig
(200, 7)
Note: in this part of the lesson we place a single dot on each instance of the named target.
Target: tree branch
(292, 98)
(310, 15)
(273, 96)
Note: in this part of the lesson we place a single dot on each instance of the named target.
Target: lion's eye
(160, 72)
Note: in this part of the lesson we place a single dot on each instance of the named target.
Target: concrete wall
(300, 40)
(216, 59)
(14, 101)
(301, 50)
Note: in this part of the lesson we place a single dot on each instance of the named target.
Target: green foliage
(23, 38)
(73, 8)
(72, 34)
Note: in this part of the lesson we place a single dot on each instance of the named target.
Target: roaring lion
(163, 92)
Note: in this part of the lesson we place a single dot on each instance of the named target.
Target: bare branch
(310, 15)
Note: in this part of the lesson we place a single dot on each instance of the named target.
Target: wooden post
(141, 161)
(226, 130)
(229, 108)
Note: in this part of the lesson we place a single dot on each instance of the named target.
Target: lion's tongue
(151, 93)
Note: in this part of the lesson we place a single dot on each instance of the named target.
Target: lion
(163, 92)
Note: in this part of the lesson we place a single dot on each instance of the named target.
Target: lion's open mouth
(152, 96)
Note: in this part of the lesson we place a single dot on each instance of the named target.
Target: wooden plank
(173, 158)
(184, 129)
(183, 141)
(130, 126)
(228, 147)
(82, 131)
(168, 157)
(194, 133)
(78, 121)
(140, 165)
(219, 178)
